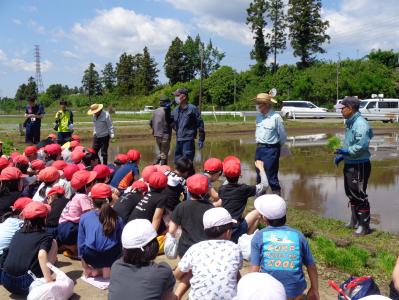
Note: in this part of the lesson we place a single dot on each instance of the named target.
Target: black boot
(163, 162)
(363, 216)
(353, 223)
(156, 162)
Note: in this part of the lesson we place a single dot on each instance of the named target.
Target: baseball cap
(272, 207)
(158, 180)
(140, 185)
(231, 158)
(4, 163)
(82, 178)
(76, 137)
(101, 191)
(137, 234)
(36, 209)
(162, 168)
(121, 158)
(232, 169)
(53, 149)
(56, 190)
(217, 216)
(11, 173)
(178, 92)
(102, 171)
(213, 165)
(14, 155)
(348, 101)
(37, 164)
(133, 155)
(52, 136)
(73, 144)
(30, 150)
(49, 174)
(260, 286)
(198, 184)
(59, 164)
(147, 171)
(21, 160)
(69, 170)
(20, 203)
(77, 155)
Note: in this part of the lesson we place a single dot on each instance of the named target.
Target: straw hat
(95, 108)
(264, 98)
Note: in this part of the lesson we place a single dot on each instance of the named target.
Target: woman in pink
(82, 181)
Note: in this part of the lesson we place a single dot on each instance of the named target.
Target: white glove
(112, 136)
(70, 127)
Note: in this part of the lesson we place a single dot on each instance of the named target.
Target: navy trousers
(32, 135)
(270, 155)
(186, 149)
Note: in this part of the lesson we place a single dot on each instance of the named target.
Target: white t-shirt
(215, 265)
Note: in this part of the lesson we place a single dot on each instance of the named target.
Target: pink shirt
(79, 204)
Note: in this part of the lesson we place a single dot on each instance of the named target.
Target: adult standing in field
(34, 113)
(270, 136)
(186, 120)
(356, 156)
(63, 123)
(161, 129)
(103, 130)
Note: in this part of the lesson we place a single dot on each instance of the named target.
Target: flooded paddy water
(308, 176)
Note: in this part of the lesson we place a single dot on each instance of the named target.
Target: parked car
(388, 105)
(290, 107)
(148, 108)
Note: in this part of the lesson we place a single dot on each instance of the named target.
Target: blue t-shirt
(122, 172)
(91, 233)
(7, 231)
(281, 252)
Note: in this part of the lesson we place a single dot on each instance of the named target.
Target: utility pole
(339, 59)
(201, 49)
(235, 89)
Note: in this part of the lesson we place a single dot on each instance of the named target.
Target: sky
(73, 33)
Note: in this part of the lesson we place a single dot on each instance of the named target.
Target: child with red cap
(152, 205)
(30, 250)
(119, 161)
(48, 177)
(69, 170)
(90, 160)
(99, 237)
(11, 186)
(67, 232)
(53, 153)
(31, 153)
(32, 182)
(213, 168)
(57, 201)
(130, 169)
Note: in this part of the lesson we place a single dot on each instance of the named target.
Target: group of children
(60, 199)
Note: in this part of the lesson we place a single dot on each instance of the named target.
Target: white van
(387, 105)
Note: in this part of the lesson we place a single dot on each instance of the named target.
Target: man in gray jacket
(162, 130)
(103, 130)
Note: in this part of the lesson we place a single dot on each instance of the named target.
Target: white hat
(137, 234)
(272, 207)
(260, 286)
(375, 297)
(216, 217)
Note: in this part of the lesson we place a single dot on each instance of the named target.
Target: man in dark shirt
(186, 120)
(33, 113)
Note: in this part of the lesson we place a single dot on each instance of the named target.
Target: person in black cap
(186, 120)
(356, 156)
(162, 130)
(63, 123)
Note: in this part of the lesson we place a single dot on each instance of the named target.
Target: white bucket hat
(217, 216)
(137, 234)
(272, 207)
(260, 286)
(375, 297)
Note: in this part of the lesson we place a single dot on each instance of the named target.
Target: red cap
(158, 180)
(30, 150)
(133, 155)
(147, 171)
(49, 174)
(21, 203)
(56, 190)
(11, 173)
(4, 163)
(53, 149)
(91, 150)
(73, 144)
(59, 164)
(52, 136)
(69, 170)
(101, 191)
(21, 160)
(14, 155)
(140, 185)
(36, 209)
(162, 168)
(77, 156)
(82, 178)
(231, 158)
(213, 165)
(122, 158)
(198, 184)
(76, 137)
(37, 165)
(102, 171)
(232, 169)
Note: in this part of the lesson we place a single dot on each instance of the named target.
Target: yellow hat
(95, 108)
(264, 98)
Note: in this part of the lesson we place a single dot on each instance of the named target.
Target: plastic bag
(244, 243)
(170, 247)
(60, 289)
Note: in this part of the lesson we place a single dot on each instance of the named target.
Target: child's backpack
(355, 288)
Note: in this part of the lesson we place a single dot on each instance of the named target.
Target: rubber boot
(364, 222)
(156, 162)
(163, 162)
(353, 223)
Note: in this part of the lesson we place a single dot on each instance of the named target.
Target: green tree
(91, 81)
(31, 88)
(388, 58)
(56, 91)
(21, 93)
(212, 58)
(192, 59)
(175, 62)
(307, 30)
(108, 77)
(124, 74)
(147, 73)
(257, 22)
(278, 37)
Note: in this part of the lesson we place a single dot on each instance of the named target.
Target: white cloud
(3, 56)
(29, 8)
(70, 54)
(17, 21)
(19, 64)
(37, 27)
(118, 29)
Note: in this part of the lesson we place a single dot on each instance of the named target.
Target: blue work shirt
(91, 233)
(186, 122)
(357, 139)
(270, 129)
(281, 252)
(122, 172)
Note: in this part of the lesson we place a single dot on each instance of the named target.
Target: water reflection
(309, 178)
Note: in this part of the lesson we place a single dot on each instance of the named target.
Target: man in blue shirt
(34, 113)
(186, 120)
(357, 169)
(281, 251)
(270, 136)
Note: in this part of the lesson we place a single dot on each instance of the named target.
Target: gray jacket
(160, 123)
(103, 125)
